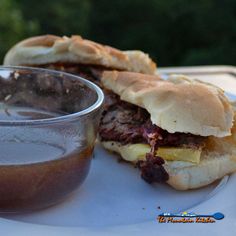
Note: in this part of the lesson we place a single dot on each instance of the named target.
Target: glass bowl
(48, 127)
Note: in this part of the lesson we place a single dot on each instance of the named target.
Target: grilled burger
(177, 131)
(76, 55)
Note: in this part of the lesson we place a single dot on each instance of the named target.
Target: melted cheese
(135, 152)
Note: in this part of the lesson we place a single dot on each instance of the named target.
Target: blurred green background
(173, 32)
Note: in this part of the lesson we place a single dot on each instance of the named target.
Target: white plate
(115, 200)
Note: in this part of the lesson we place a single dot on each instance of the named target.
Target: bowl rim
(60, 119)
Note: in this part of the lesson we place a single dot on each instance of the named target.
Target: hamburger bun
(216, 161)
(177, 104)
(48, 49)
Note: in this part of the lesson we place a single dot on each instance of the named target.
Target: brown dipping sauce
(38, 172)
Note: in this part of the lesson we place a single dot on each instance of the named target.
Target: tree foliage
(13, 27)
(173, 32)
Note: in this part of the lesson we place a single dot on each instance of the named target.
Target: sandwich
(76, 55)
(177, 131)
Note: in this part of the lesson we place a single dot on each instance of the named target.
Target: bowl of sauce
(48, 127)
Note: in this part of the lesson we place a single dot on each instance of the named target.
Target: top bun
(53, 49)
(177, 104)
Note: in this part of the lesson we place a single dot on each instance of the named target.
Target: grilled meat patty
(89, 72)
(127, 123)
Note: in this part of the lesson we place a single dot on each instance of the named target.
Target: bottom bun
(211, 168)
(218, 159)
